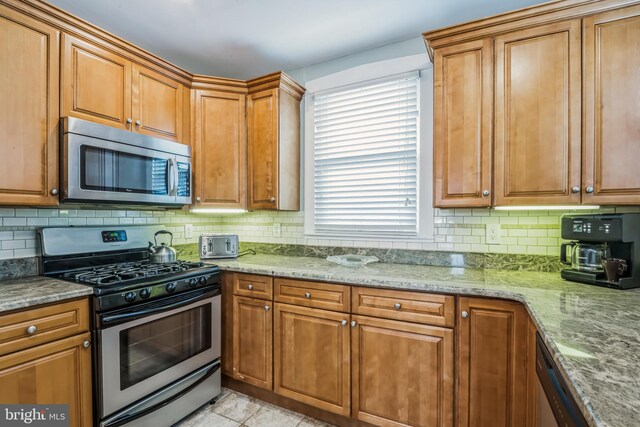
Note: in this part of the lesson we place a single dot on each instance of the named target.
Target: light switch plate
(494, 233)
(188, 231)
(277, 229)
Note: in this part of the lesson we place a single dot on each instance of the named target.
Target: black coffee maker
(604, 249)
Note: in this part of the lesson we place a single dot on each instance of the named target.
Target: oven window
(108, 170)
(150, 348)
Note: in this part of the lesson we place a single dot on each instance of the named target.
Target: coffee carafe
(585, 256)
(603, 249)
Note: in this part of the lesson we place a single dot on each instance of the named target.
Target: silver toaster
(214, 246)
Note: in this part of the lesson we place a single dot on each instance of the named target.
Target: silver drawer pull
(86, 344)
(353, 323)
(465, 314)
(250, 287)
(398, 306)
(307, 295)
(266, 308)
(32, 329)
(343, 323)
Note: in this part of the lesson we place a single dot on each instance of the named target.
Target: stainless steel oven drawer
(172, 403)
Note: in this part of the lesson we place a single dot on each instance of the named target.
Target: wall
(459, 230)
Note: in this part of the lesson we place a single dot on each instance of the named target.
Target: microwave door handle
(169, 176)
(174, 190)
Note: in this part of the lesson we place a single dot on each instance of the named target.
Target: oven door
(163, 342)
(100, 170)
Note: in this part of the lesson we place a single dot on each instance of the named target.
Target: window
(365, 158)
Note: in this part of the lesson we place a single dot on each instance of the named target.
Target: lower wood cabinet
(312, 357)
(402, 373)
(253, 341)
(54, 373)
(492, 363)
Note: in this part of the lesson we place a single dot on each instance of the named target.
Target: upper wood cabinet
(564, 112)
(492, 363)
(312, 357)
(463, 111)
(29, 110)
(612, 107)
(220, 150)
(402, 373)
(273, 143)
(106, 88)
(538, 115)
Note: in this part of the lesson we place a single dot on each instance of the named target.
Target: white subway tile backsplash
(13, 244)
(14, 222)
(26, 212)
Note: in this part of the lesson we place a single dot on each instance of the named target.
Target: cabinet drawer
(254, 286)
(44, 324)
(313, 294)
(433, 309)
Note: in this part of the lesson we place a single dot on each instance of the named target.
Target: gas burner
(127, 271)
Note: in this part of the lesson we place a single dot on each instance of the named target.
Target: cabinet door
(262, 141)
(220, 150)
(492, 364)
(29, 112)
(54, 373)
(96, 84)
(402, 373)
(156, 104)
(311, 357)
(612, 107)
(538, 115)
(253, 341)
(463, 111)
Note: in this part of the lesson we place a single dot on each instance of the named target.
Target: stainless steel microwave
(101, 164)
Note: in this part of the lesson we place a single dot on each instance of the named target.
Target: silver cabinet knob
(343, 323)
(465, 314)
(272, 199)
(485, 193)
(86, 344)
(32, 329)
(589, 189)
(307, 295)
(353, 323)
(398, 306)
(198, 199)
(138, 123)
(266, 308)
(250, 286)
(575, 189)
(129, 121)
(54, 191)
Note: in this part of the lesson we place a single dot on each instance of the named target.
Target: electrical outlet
(188, 231)
(493, 234)
(277, 229)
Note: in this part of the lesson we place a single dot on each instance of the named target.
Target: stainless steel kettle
(164, 252)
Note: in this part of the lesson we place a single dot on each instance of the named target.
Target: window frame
(361, 75)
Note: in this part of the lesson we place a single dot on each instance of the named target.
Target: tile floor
(235, 409)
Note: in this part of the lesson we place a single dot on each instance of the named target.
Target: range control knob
(145, 293)
(130, 297)
(202, 280)
(171, 288)
(193, 282)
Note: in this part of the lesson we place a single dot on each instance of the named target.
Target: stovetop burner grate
(126, 272)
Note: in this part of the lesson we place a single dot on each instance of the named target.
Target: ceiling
(249, 38)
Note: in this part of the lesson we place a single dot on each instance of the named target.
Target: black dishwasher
(564, 407)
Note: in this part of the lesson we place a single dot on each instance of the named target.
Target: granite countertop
(593, 333)
(36, 290)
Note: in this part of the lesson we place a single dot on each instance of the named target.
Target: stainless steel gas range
(157, 326)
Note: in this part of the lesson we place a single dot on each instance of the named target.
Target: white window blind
(365, 158)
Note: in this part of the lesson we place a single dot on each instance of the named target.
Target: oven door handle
(120, 318)
(127, 418)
